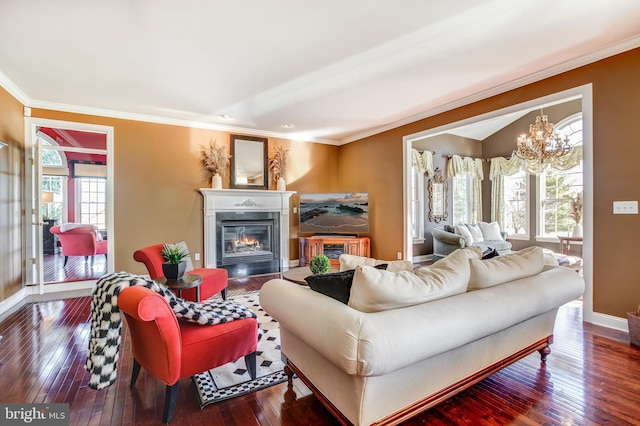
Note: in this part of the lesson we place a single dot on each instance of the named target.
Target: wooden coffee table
(297, 275)
(187, 281)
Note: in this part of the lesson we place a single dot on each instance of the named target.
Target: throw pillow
(508, 267)
(450, 228)
(489, 253)
(375, 290)
(490, 231)
(476, 233)
(183, 246)
(349, 261)
(464, 232)
(336, 285)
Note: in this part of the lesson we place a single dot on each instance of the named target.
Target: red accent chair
(81, 241)
(214, 280)
(171, 349)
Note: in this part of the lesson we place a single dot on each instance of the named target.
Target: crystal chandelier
(543, 142)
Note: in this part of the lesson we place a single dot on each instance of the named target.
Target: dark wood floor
(592, 377)
(77, 269)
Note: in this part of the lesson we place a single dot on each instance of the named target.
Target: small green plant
(319, 264)
(173, 254)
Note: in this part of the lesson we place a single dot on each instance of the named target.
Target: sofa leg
(170, 401)
(543, 354)
(224, 294)
(289, 372)
(65, 261)
(134, 373)
(250, 361)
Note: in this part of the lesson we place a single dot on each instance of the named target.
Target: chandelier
(543, 142)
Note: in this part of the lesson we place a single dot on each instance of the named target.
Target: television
(334, 213)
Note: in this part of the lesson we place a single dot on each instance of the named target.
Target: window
(417, 204)
(461, 199)
(54, 180)
(557, 187)
(91, 196)
(515, 217)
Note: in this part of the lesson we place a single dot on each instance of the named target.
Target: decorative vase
(216, 181)
(174, 271)
(281, 185)
(577, 231)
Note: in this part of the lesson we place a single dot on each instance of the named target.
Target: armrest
(448, 237)
(504, 235)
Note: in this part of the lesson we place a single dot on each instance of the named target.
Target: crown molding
(612, 50)
(13, 90)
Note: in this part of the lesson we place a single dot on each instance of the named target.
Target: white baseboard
(423, 258)
(610, 321)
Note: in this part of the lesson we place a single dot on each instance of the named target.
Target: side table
(187, 281)
(297, 275)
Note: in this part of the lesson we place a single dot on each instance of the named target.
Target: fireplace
(248, 243)
(246, 232)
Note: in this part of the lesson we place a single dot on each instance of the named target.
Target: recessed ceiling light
(225, 116)
(289, 126)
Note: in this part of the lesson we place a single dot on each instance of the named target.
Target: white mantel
(244, 200)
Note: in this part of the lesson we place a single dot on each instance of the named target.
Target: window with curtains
(515, 211)
(557, 187)
(461, 188)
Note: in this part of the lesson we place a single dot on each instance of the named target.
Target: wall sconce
(47, 198)
(2, 144)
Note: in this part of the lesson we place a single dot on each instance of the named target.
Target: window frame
(527, 207)
(418, 206)
(468, 184)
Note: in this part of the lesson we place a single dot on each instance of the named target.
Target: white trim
(610, 321)
(422, 258)
(519, 237)
(12, 303)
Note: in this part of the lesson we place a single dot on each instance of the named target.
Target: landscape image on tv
(334, 213)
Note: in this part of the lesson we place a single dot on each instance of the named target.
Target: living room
(156, 177)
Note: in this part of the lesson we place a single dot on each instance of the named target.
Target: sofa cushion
(476, 233)
(376, 290)
(490, 231)
(508, 267)
(336, 285)
(349, 261)
(464, 232)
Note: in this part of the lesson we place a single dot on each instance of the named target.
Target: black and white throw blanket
(106, 321)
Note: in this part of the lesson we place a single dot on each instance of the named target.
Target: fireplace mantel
(244, 200)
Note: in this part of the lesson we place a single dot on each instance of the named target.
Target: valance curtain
(422, 161)
(460, 166)
(501, 166)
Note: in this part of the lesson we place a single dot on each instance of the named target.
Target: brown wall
(11, 178)
(157, 175)
(616, 107)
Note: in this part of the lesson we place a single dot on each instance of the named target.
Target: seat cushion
(214, 280)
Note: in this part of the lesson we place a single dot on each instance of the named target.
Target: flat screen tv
(334, 213)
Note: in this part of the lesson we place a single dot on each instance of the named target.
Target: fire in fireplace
(248, 243)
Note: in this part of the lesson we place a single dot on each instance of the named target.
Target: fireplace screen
(247, 241)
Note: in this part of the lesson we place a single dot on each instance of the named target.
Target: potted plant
(215, 159)
(320, 264)
(278, 167)
(633, 319)
(174, 267)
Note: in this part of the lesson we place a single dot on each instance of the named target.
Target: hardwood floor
(592, 377)
(77, 268)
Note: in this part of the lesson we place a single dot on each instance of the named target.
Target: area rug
(232, 380)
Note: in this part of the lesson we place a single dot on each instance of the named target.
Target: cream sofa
(395, 361)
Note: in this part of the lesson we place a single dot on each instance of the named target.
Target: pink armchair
(214, 280)
(170, 349)
(80, 241)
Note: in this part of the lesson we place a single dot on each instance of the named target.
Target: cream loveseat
(408, 340)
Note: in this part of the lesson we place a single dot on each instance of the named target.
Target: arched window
(54, 179)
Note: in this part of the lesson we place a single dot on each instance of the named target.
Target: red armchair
(80, 241)
(214, 280)
(170, 349)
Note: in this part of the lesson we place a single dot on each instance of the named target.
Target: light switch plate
(625, 207)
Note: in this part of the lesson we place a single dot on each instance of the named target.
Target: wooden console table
(332, 247)
(566, 242)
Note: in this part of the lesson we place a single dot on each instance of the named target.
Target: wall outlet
(196, 256)
(399, 255)
(295, 209)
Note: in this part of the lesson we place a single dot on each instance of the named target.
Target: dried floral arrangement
(278, 163)
(576, 208)
(215, 158)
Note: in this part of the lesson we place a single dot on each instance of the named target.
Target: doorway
(70, 176)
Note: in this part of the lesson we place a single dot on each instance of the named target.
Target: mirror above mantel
(249, 157)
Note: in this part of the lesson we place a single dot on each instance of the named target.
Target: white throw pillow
(464, 233)
(490, 231)
(476, 233)
(349, 262)
(376, 290)
(508, 267)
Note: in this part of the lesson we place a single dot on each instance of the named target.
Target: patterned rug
(232, 379)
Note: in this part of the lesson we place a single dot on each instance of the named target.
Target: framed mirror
(249, 157)
(437, 199)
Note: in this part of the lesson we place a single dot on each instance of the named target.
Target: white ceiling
(337, 70)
